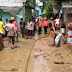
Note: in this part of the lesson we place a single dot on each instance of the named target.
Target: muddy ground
(39, 56)
(46, 57)
(15, 60)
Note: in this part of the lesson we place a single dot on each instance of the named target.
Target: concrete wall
(5, 15)
(19, 16)
(69, 17)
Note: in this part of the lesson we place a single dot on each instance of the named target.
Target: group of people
(53, 24)
(43, 24)
(56, 27)
(11, 28)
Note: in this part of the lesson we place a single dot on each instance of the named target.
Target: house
(67, 9)
(16, 8)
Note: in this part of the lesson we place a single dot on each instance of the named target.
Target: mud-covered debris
(59, 62)
(44, 56)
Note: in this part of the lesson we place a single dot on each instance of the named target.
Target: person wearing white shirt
(57, 22)
(30, 28)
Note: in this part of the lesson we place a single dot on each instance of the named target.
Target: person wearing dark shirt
(22, 27)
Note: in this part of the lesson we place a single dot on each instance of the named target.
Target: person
(22, 27)
(63, 27)
(1, 33)
(51, 25)
(45, 24)
(1, 25)
(1, 41)
(33, 27)
(34, 22)
(40, 25)
(29, 28)
(57, 20)
(15, 28)
(6, 22)
(57, 38)
(11, 33)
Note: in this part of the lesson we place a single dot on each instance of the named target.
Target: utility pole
(24, 11)
(24, 4)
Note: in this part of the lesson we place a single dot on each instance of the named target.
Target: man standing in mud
(22, 27)
(15, 27)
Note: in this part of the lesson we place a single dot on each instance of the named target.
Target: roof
(11, 6)
(11, 10)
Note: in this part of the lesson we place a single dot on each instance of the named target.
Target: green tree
(49, 9)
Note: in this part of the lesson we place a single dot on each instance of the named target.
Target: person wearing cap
(45, 24)
(52, 24)
(40, 25)
(16, 27)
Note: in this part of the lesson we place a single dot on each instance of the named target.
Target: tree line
(47, 6)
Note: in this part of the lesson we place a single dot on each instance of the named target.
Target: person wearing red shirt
(45, 24)
(15, 27)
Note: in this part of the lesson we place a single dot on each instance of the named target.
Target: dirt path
(48, 58)
(15, 60)
(42, 57)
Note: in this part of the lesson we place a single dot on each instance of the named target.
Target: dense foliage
(49, 10)
(48, 7)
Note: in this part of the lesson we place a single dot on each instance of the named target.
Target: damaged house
(16, 8)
